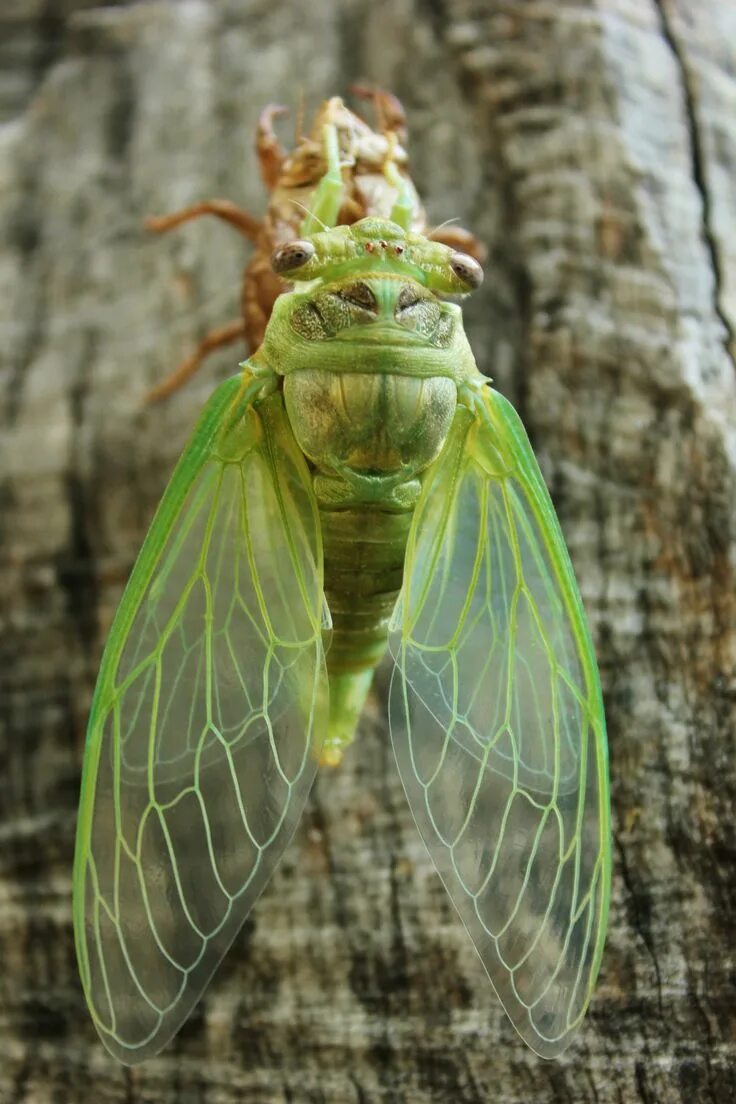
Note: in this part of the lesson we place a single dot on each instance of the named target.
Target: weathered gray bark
(592, 144)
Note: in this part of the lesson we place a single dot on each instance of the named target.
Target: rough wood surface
(592, 144)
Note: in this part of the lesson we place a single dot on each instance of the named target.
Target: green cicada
(358, 485)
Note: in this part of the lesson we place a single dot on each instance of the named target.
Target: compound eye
(408, 298)
(467, 269)
(292, 255)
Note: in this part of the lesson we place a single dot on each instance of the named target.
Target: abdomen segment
(364, 551)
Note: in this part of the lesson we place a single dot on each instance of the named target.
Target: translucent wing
(203, 737)
(498, 726)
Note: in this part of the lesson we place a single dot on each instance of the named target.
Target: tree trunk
(592, 145)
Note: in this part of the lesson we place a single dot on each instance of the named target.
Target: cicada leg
(215, 339)
(221, 208)
(328, 195)
(271, 154)
(403, 206)
(390, 113)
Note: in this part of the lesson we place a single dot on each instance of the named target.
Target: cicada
(358, 486)
(340, 171)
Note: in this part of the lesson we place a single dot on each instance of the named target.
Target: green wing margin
(497, 722)
(204, 734)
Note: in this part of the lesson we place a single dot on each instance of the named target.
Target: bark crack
(699, 174)
(639, 920)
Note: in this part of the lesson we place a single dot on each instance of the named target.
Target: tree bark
(592, 145)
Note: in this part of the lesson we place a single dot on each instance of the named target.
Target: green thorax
(370, 352)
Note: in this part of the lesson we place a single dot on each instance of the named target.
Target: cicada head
(381, 247)
(371, 286)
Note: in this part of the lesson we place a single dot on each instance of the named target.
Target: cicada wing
(497, 723)
(205, 728)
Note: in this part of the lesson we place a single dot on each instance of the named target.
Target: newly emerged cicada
(358, 485)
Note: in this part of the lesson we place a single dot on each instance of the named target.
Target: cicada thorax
(368, 436)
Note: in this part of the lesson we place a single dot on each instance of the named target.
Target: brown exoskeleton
(364, 172)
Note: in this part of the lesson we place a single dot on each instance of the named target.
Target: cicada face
(386, 309)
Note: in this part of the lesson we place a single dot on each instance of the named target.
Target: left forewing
(202, 741)
(497, 722)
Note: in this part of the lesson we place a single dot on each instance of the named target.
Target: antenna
(308, 213)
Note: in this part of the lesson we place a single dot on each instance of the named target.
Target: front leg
(221, 208)
(271, 154)
(326, 201)
(215, 339)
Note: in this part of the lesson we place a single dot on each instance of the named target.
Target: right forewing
(498, 725)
